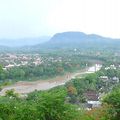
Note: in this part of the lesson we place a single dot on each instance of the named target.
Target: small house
(104, 78)
(115, 80)
(92, 98)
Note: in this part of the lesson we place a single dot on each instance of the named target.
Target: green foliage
(113, 98)
(1, 69)
(48, 69)
(2, 73)
(101, 113)
(110, 73)
(48, 105)
(11, 93)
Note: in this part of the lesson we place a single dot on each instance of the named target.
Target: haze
(34, 18)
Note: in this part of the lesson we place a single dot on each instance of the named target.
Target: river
(27, 87)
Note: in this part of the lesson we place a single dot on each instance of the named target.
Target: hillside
(65, 40)
(82, 40)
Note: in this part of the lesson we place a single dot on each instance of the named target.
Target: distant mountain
(65, 40)
(82, 40)
(23, 42)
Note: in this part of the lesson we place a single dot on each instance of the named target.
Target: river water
(27, 87)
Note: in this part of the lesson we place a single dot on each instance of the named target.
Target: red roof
(91, 95)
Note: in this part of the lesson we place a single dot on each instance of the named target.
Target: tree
(72, 92)
(2, 73)
(113, 99)
(1, 69)
(101, 113)
(46, 105)
(11, 93)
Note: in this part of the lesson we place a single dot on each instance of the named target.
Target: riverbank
(25, 87)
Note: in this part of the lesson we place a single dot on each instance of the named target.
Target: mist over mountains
(23, 41)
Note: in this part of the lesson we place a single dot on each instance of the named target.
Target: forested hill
(79, 39)
(68, 40)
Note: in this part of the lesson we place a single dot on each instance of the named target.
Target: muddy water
(27, 87)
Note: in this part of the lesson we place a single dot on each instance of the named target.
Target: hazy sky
(32, 18)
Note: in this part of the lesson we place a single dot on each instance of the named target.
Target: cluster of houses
(106, 80)
(93, 97)
(15, 60)
(111, 67)
(54, 59)
(12, 60)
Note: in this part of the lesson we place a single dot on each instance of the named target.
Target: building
(104, 78)
(115, 80)
(92, 98)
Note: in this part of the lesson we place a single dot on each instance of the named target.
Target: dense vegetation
(78, 86)
(53, 65)
(48, 105)
(61, 103)
(53, 105)
(64, 102)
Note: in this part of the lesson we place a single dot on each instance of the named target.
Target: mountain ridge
(80, 39)
(72, 39)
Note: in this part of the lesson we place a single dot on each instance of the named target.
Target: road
(24, 87)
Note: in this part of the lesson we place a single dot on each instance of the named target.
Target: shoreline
(25, 87)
